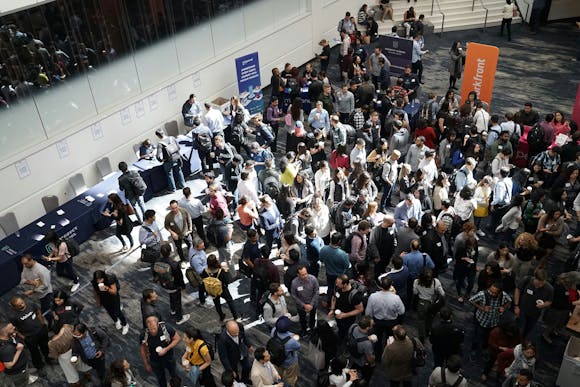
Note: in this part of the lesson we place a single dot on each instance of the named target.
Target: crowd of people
(378, 202)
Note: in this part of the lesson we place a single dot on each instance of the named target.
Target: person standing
(31, 327)
(59, 253)
(35, 278)
(508, 12)
(191, 111)
(385, 307)
(363, 358)
(305, 293)
(197, 359)
(178, 223)
(196, 209)
(116, 210)
(168, 273)
(215, 280)
(234, 351)
(382, 242)
(168, 154)
(106, 292)
(538, 7)
(531, 296)
(149, 305)
(133, 186)
(88, 347)
(456, 58)
(157, 343)
(335, 261)
(397, 360)
(263, 373)
(446, 338)
(288, 368)
(346, 304)
(373, 65)
(150, 237)
(324, 56)
(417, 54)
(449, 374)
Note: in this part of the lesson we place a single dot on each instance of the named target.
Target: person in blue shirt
(407, 209)
(313, 246)
(415, 260)
(335, 260)
(289, 367)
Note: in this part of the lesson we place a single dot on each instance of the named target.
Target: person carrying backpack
(134, 187)
(157, 343)
(265, 272)
(215, 280)
(168, 154)
(197, 358)
(283, 347)
(448, 376)
(361, 348)
(60, 253)
(168, 274)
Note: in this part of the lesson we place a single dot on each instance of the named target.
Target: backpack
(164, 274)
(419, 354)
(170, 150)
(265, 299)
(164, 332)
(261, 276)
(210, 350)
(292, 85)
(276, 347)
(358, 288)
(444, 381)
(272, 186)
(213, 285)
(137, 183)
(237, 134)
(73, 247)
(353, 342)
(452, 182)
(536, 139)
(347, 244)
(203, 141)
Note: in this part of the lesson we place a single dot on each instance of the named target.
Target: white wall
(293, 40)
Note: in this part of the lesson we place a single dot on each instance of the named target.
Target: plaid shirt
(489, 319)
(358, 119)
(547, 162)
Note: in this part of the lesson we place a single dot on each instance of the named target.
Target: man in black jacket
(168, 273)
(382, 244)
(446, 338)
(133, 185)
(89, 346)
(234, 351)
(435, 244)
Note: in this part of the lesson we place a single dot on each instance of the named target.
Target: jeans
(140, 203)
(113, 308)
(387, 192)
(120, 234)
(508, 24)
(164, 363)
(198, 224)
(37, 344)
(199, 378)
(65, 269)
(179, 246)
(171, 169)
(417, 68)
(175, 303)
(225, 255)
(307, 319)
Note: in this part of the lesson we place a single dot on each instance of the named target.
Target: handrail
(486, 12)
(441, 12)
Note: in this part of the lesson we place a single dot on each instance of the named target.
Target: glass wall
(68, 60)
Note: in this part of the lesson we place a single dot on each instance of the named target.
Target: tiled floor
(536, 68)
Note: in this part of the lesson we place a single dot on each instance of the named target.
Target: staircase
(458, 14)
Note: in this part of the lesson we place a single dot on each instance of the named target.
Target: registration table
(78, 218)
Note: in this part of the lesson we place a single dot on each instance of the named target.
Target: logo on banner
(479, 73)
(249, 84)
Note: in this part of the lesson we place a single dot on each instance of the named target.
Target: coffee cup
(296, 337)
(569, 236)
(337, 312)
(101, 286)
(74, 359)
(158, 349)
(185, 363)
(373, 338)
(539, 302)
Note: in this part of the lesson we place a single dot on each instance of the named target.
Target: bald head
(233, 328)
(441, 227)
(388, 221)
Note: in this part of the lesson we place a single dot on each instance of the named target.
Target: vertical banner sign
(249, 85)
(479, 72)
(399, 52)
(576, 109)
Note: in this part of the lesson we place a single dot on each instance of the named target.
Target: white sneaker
(480, 233)
(75, 287)
(183, 319)
(32, 379)
(118, 324)
(125, 330)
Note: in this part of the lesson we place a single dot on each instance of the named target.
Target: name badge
(162, 338)
(438, 244)
(68, 308)
(300, 288)
(567, 185)
(337, 295)
(34, 316)
(500, 147)
(530, 292)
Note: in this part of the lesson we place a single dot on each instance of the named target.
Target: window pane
(259, 17)
(21, 127)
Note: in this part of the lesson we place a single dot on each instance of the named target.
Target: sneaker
(172, 313)
(118, 324)
(125, 330)
(75, 287)
(480, 233)
(183, 319)
(32, 379)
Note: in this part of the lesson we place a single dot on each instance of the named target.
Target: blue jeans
(387, 192)
(138, 202)
(171, 169)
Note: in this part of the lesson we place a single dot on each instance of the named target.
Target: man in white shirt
(502, 197)
(416, 55)
(196, 209)
(481, 118)
(389, 176)
(214, 119)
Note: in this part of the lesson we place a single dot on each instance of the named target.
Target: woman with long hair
(338, 189)
(506, 261)
(321, 219)
(561, 125)
(466, 255)
(196, 359)
(65, 310)
(378, 156)
(371, 214)
(512, 219)
(120, 375)
(550, 228)
(571, 184)
(106, 292)
(115, 210)
(465, 204)
(456, 57)
(405, 180)
(302, 191)
(295, 114)
(527, 255)
(286, 201)
(305, 158)
(339, 375)
(426, 288)
(339, 158)
(452, 101)
(322, 180)
(59, 253)
(365, 181)
(440, 192)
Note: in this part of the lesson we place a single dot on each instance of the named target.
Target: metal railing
(486, 12)
(441, 12)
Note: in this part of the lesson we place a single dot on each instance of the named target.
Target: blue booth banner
(249, 85)
(398, 51)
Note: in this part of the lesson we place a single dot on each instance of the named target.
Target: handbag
(482, 210)
(318, 356)
(437, 302)
(515, 12)
(129, 210)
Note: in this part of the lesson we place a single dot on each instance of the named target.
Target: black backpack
(203, 142)
(353, 342)
(347, 244)
(137, 183)
(276, 348)
(210, 350)
(536, 139)
(73, 247)
(272, 186)
(261, 276)
(419, 354)
(444, 381)
(265, 299)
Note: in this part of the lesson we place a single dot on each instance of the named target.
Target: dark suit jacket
(230, 353)
(270, 223)
(432, 244)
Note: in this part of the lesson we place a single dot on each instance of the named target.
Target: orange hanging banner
(479, 72)
(576, 109)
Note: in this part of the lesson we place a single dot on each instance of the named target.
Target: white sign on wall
(140, 109)
(196, 80)
(171, 92)
(63, 149)
(153, 101)
(22, 168)
(125, 116)
(97, 131)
